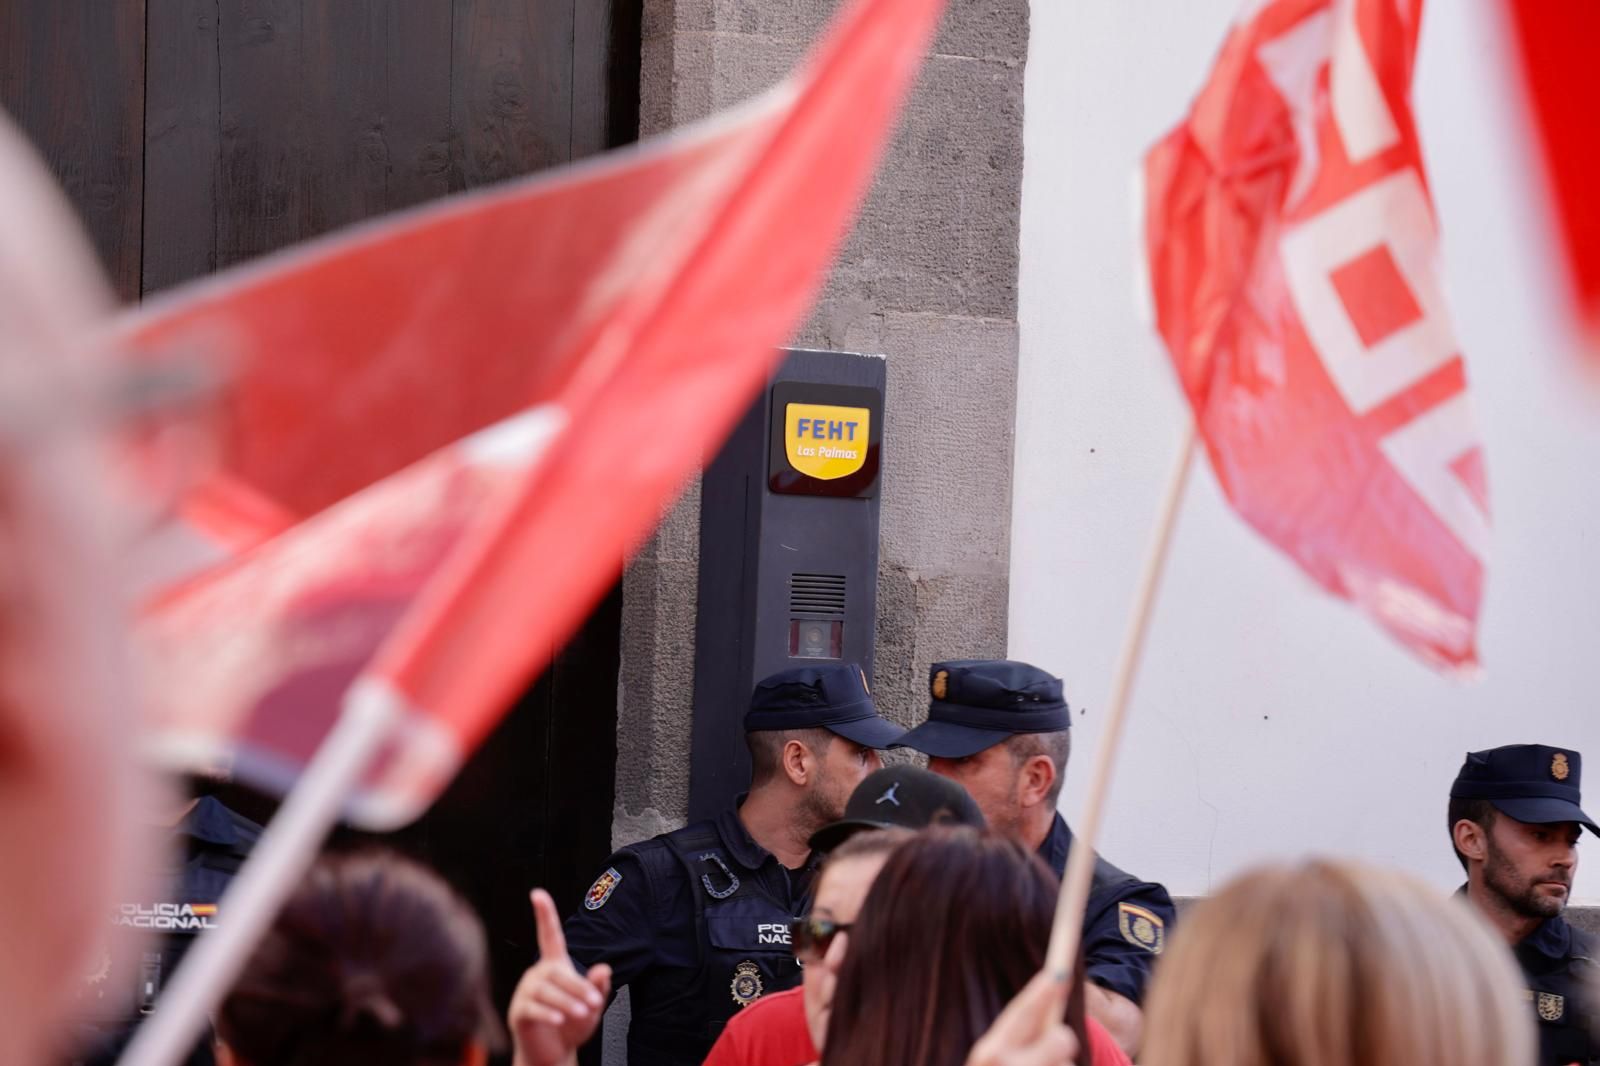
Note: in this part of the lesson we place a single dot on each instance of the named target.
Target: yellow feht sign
(824, 441)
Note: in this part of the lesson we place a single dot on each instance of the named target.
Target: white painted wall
(1271, 719)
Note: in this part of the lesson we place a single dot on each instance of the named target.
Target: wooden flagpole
(1074, 899)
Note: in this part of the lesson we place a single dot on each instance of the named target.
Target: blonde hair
(1336, 964)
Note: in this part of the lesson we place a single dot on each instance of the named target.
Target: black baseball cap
(906, 797)
(1529, 782)
(976, 703)
(833, 697)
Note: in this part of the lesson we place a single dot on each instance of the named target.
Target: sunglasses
(812, 936)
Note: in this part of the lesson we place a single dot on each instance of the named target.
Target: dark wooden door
(195, 134)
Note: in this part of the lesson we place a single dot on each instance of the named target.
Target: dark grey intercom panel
(788, 550)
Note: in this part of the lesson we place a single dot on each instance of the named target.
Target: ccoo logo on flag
(1293, 257)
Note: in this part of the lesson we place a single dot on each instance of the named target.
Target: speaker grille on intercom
(817, 594)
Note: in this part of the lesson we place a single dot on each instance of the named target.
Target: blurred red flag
(1292, 252)
(1559, 44)
(451, 426)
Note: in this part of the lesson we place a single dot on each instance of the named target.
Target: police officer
(1001, 729)
(1515, 822)
(209, 843)
(696, 921)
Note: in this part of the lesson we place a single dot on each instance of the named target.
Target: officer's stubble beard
(819, 806)
(1008, 822)
(1500, 876)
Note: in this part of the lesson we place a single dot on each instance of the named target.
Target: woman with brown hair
(954, 927)
(373, 960)
(1335, 964)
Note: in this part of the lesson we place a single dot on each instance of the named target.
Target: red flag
(1559, 41)
(598, 331)
(1292, 250)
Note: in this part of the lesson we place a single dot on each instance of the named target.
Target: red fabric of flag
(1559, 43)
(1293, 267)
(596, 332)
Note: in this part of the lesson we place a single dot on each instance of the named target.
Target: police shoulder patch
(602, 888)
(1141, 928)
(1552, 1007)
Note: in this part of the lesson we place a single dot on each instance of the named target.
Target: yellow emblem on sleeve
(1141, 928)
(601, 890)
(825, 441)
(1552, 1007)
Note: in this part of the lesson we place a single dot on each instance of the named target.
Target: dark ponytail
(373, 960)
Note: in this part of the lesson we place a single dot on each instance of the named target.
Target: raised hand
(555, 1009)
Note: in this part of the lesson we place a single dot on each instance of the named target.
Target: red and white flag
(1559, 46)
(1293, 265)
(449, 427)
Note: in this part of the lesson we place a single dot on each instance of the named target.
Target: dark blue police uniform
(1125, 923)
(696, 922)
(209, 846)
(1559, 964)
(977, 703)
(1540, 785)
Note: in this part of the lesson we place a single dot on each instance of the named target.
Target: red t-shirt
(772, 1032)
(1104, 1050)
(769, 1032)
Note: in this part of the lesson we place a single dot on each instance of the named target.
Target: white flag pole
(1074, 898)
(251, 903)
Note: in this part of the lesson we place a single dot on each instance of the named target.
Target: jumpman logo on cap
(889, 796)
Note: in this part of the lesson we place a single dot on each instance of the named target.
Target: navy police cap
(833, 697)
(976, 703)
(1529, 782)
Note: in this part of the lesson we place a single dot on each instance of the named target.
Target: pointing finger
(546, 919)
